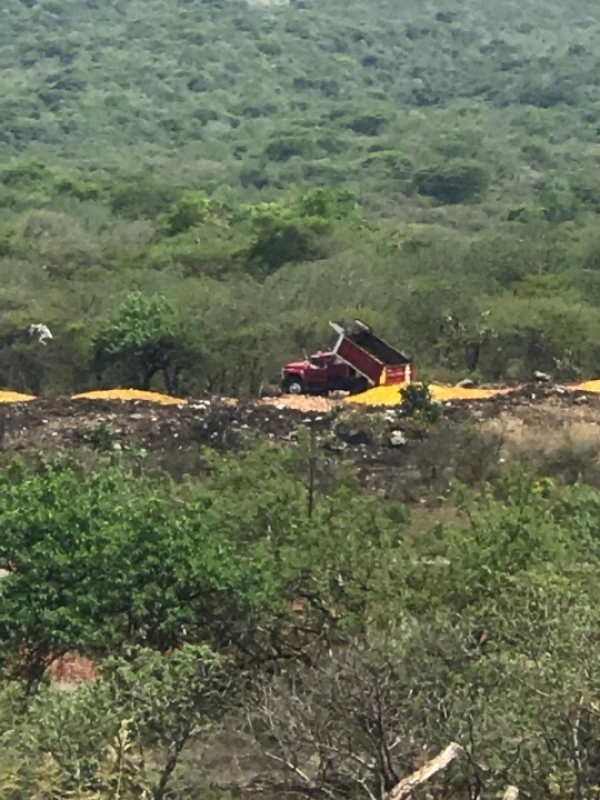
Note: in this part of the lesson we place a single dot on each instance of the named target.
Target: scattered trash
(386, 395)
(397, 439)
(542, 377)
(467, 383)
(41, 331)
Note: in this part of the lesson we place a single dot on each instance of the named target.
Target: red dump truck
(359, 360)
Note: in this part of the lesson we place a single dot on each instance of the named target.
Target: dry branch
(407, 785)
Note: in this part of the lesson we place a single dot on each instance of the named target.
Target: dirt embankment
(533, 417)
(53, 425)
(62, 422)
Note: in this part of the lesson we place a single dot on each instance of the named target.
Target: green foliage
(285, 148)
(144, 338)
(417, 401)
(327, 203)
(471, 161)
(140, 197)
(188, 193)
(478, 625)
(398, 163)
(186, 213)
(97, 563)
(283, 234)
(295, 232)
(92, 740)
(115, 525)
(170, 702)
(26, 174)
(453, 182)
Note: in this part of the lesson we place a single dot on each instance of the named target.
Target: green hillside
(466, 133)
(301, 92)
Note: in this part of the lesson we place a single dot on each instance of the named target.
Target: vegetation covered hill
(433, 166)
(234, 85)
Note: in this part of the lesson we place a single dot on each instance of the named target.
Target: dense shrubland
(332, 635)
(257, 170)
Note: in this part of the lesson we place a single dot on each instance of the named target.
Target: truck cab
(321, 373)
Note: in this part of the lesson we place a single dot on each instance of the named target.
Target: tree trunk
(167, 380)
(472, 354)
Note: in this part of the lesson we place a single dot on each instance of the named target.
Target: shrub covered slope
(258, 169)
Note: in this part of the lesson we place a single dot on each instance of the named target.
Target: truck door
(319, 372)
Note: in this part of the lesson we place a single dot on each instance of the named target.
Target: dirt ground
(62, 421)
(52, 425)
(531, 417)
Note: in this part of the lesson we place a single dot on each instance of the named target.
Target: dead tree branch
(407, 785)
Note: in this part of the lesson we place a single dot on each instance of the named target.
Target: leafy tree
(108, 561)
(453, 183)
(281, 234)
(368, 125)
(97, 563)
(327, 203)
(143, 196)
(96, 737)
(285, 148)
(171, 702)
(80, 188)
(145, 337)
(26, 174)
(554, 335)
(186, 213)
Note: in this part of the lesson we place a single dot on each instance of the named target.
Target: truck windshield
(318, 361)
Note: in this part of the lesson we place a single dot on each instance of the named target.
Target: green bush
(417, 401)
(457, 182)
(143, 197)
(285, 148)
(186, 213)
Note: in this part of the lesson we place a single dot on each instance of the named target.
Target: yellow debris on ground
(390, 395)
(442, 393)
(300, 402)
(130, 394)
(378, 396)
(16, 397)
(586, 386)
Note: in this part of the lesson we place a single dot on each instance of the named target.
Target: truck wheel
(293, 386)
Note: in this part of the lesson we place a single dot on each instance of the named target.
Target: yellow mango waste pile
(15, 397)
(390, 395)
(378, 396)
(130, 394)
(300, 402)
(587, 386)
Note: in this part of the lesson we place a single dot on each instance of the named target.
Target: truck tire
(293, 385)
